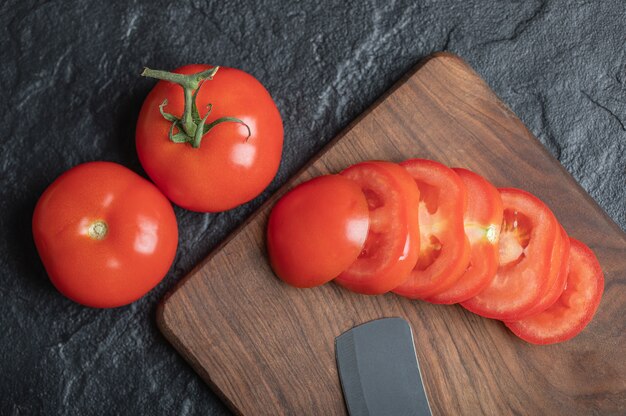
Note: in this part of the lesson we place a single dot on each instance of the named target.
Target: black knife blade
(379, 371)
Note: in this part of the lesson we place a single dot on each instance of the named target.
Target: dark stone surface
(71, 93)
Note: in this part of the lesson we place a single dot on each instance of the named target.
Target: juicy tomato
(559, 267)
(228, 168)
(106, 236)
(527, 239)
(482, 221)
(574, 309)
(317, 230)
(392, 244)
(444, 248)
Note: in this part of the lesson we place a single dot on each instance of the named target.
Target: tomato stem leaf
(167, 116)
(179, 137)
(220, 120)
(194, 108)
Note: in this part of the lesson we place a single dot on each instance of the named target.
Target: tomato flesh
(559, 267)
(106, 236)
(444, 247)
(392, 244)
(482, 222)
(526, 246)
(575, 307)
(317, 230)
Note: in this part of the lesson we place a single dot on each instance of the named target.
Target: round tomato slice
(559, 267)
(106, 235)
(444, 248)
(482, 221)
(392, 245)
(574, 309)
(528, 234)
(317, 230)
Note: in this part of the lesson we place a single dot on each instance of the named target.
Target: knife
(378, 370)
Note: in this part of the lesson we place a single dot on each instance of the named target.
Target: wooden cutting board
(268, 349)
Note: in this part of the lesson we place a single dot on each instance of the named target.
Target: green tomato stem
(191, 127)
(188, 124)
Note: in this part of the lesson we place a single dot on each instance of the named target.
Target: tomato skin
(520, 282)
(226, 170)
(443, 200)
(133, 256)
(482, 221)
(317, 230)
(392, 244)
(576, 306)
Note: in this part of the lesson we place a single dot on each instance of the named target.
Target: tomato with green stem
(209, 139)
(106, 236)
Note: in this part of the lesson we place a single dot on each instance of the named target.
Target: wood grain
(268, 348)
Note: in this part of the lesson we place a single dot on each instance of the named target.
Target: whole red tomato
(213, 144)
(106, 236)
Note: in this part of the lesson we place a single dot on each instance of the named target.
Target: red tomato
(559, 267)
(391, 248)
(228, 168)
(106, 236)
(576, 306)
(482, 222)
(527, 240)
(444, 249)
(317, 230)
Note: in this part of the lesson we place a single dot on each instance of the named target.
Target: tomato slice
(559, 267)
(392, 244)
(482, 222)
(527, 237)
(444, 250)
(317, 230)
(576, 306)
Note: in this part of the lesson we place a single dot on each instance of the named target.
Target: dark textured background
(71, 93)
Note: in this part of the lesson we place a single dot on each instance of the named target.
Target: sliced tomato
(392, 244)
(482, 222)
(529, 231)
(317, 230)
(574, 309)
(444, 248)
(559, 267)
